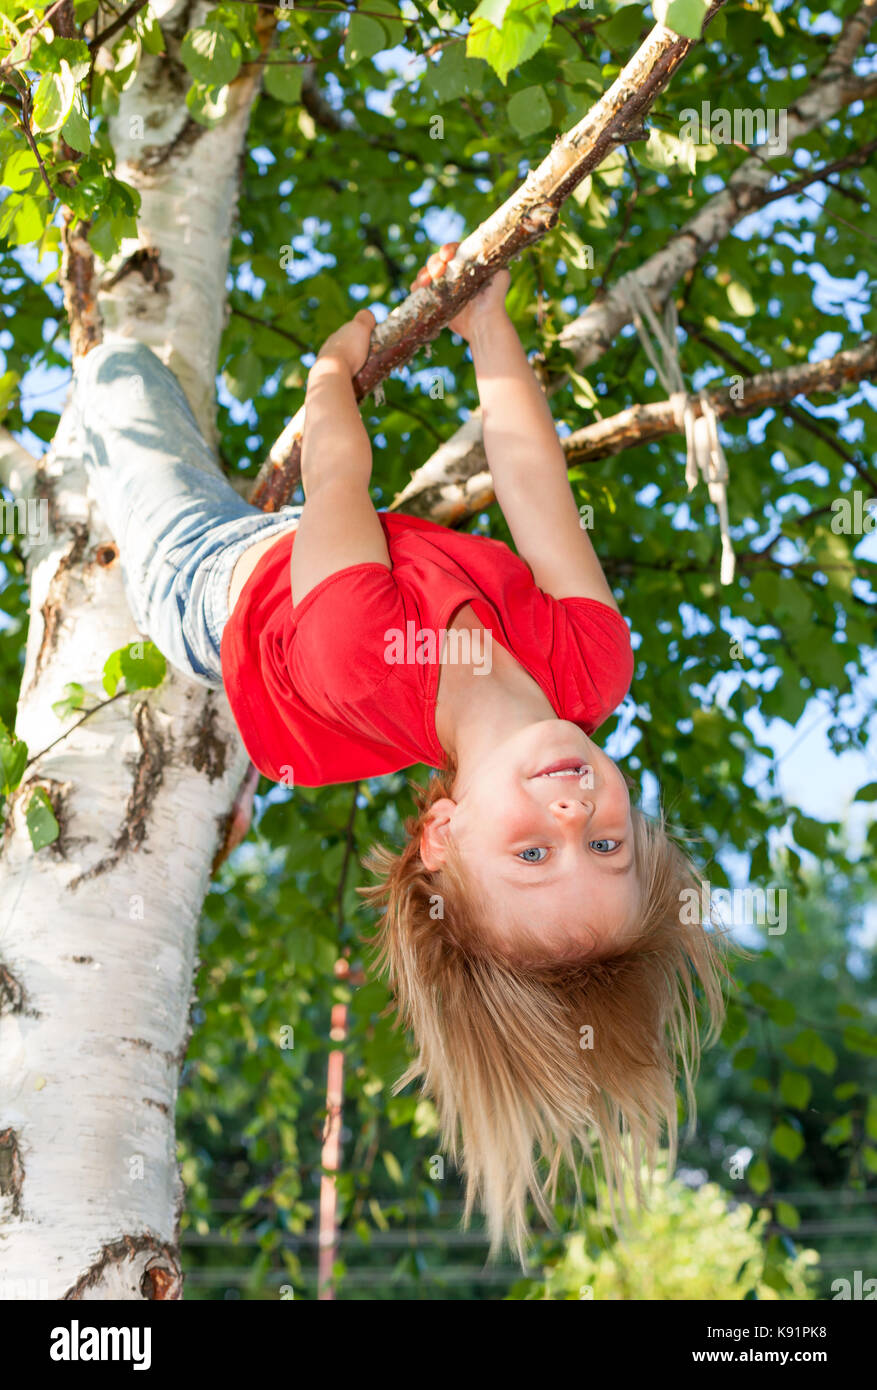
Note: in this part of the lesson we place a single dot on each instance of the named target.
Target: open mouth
(570, 767)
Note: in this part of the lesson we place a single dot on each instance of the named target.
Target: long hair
(533, 1063)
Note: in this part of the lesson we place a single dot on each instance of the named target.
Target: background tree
(227, 183)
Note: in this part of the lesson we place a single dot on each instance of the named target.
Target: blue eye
(527, 855)
(605, 846)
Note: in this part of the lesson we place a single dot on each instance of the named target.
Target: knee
(124, 368)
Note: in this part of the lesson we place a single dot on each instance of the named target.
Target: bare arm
(525, 459)
(339, 525)
(529, 468)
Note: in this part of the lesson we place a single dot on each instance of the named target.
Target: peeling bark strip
(148, 777)
(77, 277)
(523, 219)
(11, 993)
(451, 501)
(591, 335)
(208, 750)
(11, 1170)
(138, 1266)
(52, 609)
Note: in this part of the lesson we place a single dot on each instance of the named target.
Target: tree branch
(792, 412)
(522, 220)
(452, 502)
(590, 335)
(117, 24)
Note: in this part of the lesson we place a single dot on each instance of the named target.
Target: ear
(433, 840)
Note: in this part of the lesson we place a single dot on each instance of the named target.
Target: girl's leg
(179, 525)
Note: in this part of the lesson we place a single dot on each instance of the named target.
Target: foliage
(690, 1244)
(439, 111)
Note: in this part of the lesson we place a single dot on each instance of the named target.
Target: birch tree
(219, 183)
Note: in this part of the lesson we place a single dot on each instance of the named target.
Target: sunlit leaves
(54, 99)
(523, 30)
(13, 759)
(212, 54)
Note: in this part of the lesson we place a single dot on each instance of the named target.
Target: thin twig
(67, 732)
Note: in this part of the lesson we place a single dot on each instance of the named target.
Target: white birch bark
(98, 931)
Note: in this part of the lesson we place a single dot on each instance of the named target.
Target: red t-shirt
(310, 685)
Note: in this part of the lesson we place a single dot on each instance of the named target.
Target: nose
(571, 811)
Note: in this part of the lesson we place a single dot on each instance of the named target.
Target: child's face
(553, 854)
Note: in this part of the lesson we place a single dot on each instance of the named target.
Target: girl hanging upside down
(531, 926)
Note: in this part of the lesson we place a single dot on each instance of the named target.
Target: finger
(436, 265)
(365, 317)
(448, 251)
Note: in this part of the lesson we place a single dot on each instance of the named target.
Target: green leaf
(861, 1040)
(758, 1176)
(212, 55)
(492, 10)
(54, 99)
(140, 664)
(20, 171)
(41, 823)
(454, 75)
(13, 759)
(744, 1058)
(663, 150)
(736, 1025)
(787, 1215)
(740, 300)
(283, 81)
(244, 375)
(390, 18)
(810, 835)
(840, 1131)
(795, 1089)
(867, 793)
(529, 111)
(787, 1142)
(365, 38)
(8, 390)
(781, 1012)
(684, 17)
(150, 32)
(808, 1049)
(74, 698)
(75, 131)
(143, 666)
(108, 232)
(391, 1163)
(524, 31)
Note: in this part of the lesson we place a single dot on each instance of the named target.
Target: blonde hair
(499, 1034)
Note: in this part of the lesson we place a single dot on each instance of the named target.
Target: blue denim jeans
(179, 525)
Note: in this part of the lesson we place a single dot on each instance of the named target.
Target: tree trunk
(99, 929)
